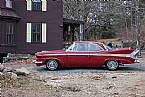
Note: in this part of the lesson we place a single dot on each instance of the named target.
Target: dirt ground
(79, 84)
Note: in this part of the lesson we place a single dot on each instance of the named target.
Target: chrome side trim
(112, 55)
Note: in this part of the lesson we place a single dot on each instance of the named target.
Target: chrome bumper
(37, 62)
(137, 61)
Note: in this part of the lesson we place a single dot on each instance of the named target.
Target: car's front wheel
(52, 65)
(112, 65)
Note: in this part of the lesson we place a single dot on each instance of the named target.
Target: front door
(78, 59)
(96, 56)
(78, 56)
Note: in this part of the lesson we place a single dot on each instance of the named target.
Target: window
(36, 32)
(108, 47)
(95, 48)
(81, 47)
(10, 33)
(36, 5)
(8, 3)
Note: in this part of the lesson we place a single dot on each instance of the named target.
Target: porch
(72, 31)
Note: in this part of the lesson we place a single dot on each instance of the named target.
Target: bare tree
(108, 18)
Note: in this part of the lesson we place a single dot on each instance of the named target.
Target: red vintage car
(87, 54)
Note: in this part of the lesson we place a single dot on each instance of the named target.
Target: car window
(80, 47)
(70, 48)
(109, 48)
(95, 48)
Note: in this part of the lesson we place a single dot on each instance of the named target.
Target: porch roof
(72, 21)
(8, 13)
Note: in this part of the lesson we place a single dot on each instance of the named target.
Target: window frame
(36, 33)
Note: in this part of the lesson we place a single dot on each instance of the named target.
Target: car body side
(83, 59)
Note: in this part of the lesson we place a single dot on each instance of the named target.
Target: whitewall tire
(52, 65)
(112, 65)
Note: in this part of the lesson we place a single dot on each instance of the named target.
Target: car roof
(87, 42)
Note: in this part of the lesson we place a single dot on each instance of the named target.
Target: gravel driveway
(128, 81)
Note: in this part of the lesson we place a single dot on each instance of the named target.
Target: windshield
(70, 48)
(108, 47)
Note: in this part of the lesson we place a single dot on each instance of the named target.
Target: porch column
(81, 32)
(69, 31)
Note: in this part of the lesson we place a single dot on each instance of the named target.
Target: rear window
(95, 48)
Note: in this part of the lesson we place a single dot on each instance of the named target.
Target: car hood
(50, 52)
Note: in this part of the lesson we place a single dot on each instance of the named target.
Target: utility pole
(137, 26)
(137, 23)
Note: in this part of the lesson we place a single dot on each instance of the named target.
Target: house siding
(2, 3)
(53, 18)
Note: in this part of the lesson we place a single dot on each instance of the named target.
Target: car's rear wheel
(112, 65)
(52, 65)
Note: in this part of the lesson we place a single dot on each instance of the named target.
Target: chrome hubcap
(52, 65)
(112, 65)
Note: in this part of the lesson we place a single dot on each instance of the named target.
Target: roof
(8, 13)
(72, 21)
(86, 42)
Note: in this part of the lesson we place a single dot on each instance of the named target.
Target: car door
(79, 56)
(96, 55)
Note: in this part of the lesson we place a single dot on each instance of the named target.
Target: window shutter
(44, 32)
(44, 5)
(29, 4)
(28, 36)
